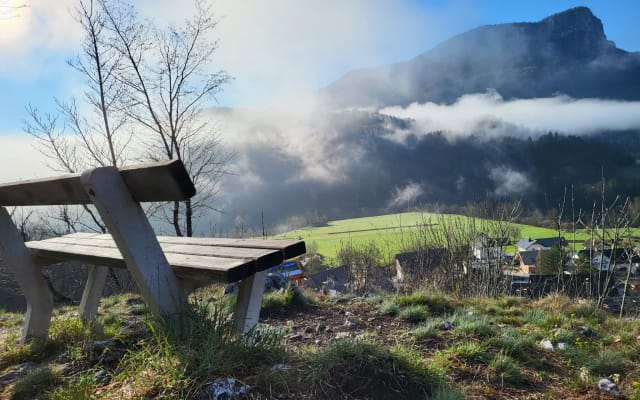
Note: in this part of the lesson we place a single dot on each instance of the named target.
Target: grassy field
(389, 232)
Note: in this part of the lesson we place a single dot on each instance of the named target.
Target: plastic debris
(448, 325)
(226, 389)
(609, 386)
(562, 346)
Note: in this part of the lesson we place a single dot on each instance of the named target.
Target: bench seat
(165, 269)
(202, 259)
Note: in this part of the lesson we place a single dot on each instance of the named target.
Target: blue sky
(274, 49)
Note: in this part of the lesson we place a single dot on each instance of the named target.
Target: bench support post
(23, 265)
(134, 236)
(249, 300)
(93, 292)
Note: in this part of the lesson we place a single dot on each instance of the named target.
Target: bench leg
(134, 236)
(93, 292)
(21, 262)
(249, 300)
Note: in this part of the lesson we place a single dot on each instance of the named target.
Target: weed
(78, 389)
(415, 313)
(353, 369)
(389, 307)
(473, 325)
(427, 329)
(506, 367)
(469, 351)
(606, 362)
(35, 383)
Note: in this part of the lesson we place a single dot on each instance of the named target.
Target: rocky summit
(566, 53)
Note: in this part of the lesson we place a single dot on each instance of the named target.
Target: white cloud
(20, 159)
(509, 181)
(491, 114)
(403, 196)
(29, 35)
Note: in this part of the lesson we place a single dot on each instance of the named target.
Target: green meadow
(391, 231)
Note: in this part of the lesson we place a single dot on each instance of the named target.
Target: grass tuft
(415, 313)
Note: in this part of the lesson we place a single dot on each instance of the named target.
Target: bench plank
(261, 256)
(161, 181)
(211, 260)
(290, 248)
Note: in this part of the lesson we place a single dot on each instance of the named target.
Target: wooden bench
(165, 269)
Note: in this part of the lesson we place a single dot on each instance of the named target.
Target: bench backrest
(159, 181)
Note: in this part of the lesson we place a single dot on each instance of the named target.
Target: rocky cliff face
(565, 53)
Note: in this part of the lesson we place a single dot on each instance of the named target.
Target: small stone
(350, 323)
(226, 389)
(371, 319)
(317, 342)
(101, 376)
(342, 335)
(280, 368)
(609, 386)
(587, 332)
(546, 344)
(562, 346)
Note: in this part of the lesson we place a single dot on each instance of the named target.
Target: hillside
(564, 53)
(394, 232)
(383, 347)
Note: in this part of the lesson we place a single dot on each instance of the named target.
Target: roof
(620, 255)
(423, 258)
(530, 257)
(337, 275)
(549, 242)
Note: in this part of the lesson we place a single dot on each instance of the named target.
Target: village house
(528, 244)
(487, 250)
(417, 265)
(528, 260)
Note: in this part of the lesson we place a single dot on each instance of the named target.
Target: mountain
(565, 53)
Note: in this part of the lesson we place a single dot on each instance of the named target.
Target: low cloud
(508, 181)
(406, 195)
(489, 113)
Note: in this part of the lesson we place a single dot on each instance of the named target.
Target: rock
(134, 301)
(546, 344)
(342, 335)
(64, 358)
(19, 371)
(280, 368)
(609, 386)
(587, 332)
(294, 337)
(448, 325)
(101, 376)
(350, 323)
(317, 342)
(98, 346)
(562, 346)
(224, 389)
(348, 313)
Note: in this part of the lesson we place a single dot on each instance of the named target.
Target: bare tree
(146, 91)
(167, 87)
